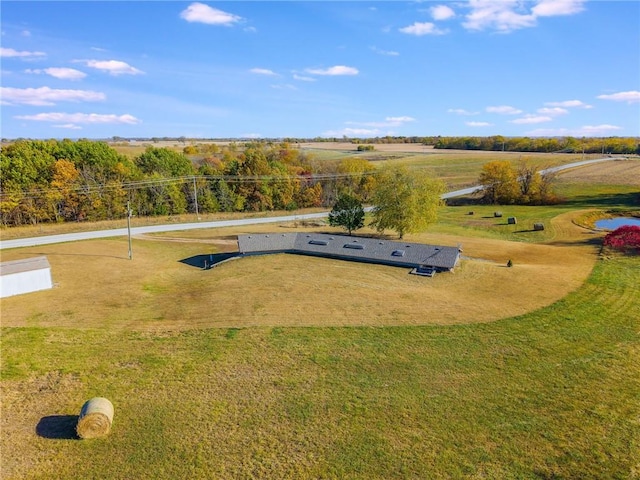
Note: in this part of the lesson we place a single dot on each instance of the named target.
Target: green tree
(165, 162)
(405, 201)
(347, 213)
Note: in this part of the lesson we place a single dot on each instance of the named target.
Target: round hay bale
(96, 417)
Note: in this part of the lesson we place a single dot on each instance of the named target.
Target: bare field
(619, 172)
(97, 286)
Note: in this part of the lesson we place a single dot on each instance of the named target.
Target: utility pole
(195, 196)
(129, 229)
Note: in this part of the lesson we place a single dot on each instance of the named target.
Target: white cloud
(528, 119)
(507, 15)
(60, 72)
(388, 122)
(498, 15)
(504, 110)
(303, 78)
(284, 86)
(25, 33)
(333, 71)
(352, 132)
(400, 119)
(461, 111)
(423, 28)
(389, 53)
(201, 13)
(629, 97)
(597, 130)
(553, 111)
(47, 96)
(70, 126)
(263, 71)
(251, 135)
(370, 129)
(10, 52)
(479, 124)
(114, 67)
(83, 118)
(568, 104)
(586, 131)
(552, 8)
(442, 12)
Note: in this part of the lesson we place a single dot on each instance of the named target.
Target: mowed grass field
(292, 367)
(457, 168)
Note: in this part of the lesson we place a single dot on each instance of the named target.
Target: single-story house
(25, 276)
(360, 249)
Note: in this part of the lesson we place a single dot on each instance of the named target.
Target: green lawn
(552, 394)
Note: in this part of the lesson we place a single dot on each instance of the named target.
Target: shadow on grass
(59, 427)
(208, 261)
(605, 200)
(525, 231)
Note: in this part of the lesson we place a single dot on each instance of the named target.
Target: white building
(24, 276)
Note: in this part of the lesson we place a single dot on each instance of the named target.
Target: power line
(139, 184)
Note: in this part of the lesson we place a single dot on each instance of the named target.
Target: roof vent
(397, 253)
(355, 246)
(318, 242)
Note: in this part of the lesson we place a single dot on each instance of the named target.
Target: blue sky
(320, 69)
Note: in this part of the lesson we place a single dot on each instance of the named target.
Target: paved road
(119, 232)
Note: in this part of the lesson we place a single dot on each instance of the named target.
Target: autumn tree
(499, 182)
(358, 180)
(63, 196)
(347, 213)
(405, 201)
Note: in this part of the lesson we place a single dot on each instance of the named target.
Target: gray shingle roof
(24, 265)
(405, 254)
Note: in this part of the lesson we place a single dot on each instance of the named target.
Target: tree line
(591, 145)
(64, 180)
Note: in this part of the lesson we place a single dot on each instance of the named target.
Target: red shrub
(626, 237)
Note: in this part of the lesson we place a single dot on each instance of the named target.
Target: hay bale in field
(96, 417)
(512, 220)
(538, 226)
(497, 214)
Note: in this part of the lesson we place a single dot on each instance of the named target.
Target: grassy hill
(289, 367)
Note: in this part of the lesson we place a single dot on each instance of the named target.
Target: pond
(613, 223)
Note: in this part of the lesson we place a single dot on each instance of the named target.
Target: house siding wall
(25, 282)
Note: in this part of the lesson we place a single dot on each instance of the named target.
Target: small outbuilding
(25, 276)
